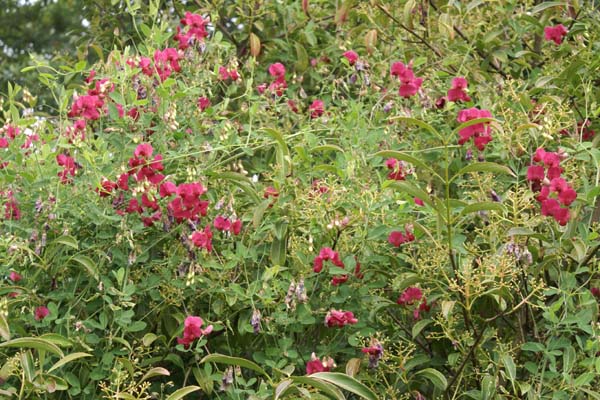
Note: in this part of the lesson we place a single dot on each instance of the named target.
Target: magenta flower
(317, 108)
(457, 91)
(339, 318)
(203, 239)
(15, 276)
(41, 312)
(192, 330)
(327, 254)
(409, 296)
(481, 132)
(555, 33)
(203, 103)
(277, 70)
(351, 56)
(316, 365)
(409, 84)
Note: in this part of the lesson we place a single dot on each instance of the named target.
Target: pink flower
(555, 33)
(397, 238)
(418, 201)
(236, 227)
(203, 103)
(277, 70)
(222, 224)
(481, 132)
(535, 173)
(327, 254)
(375, 352)
(409, 84)
(88, 107)
(338, 318)
(316, 365)
(192, 330)
(595, 292)
(15, 276)
(203, 239)
(351, 56)
(409, 296)
(457, 92)
(395, 166)
(41, 312)
(317, 108)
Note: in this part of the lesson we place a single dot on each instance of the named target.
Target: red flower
(409, 296)
(555, 33)
(316, 365)
(397, 238)
(15, 276)
(339, 318)
(277, 70)
(203, 239)
(192, 330)
(457, 92)
(480, 132)
(41, 312)
(325, 254)
(317, 108)
(351, 56)
(203, 103)
(410, 85)
(395, 166)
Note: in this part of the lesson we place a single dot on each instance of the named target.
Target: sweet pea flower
(192, 330)
(555, 33)
(351, 56)
(41, 312)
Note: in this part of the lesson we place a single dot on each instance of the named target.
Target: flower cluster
(339, 318)
(412, 295)
(192, 330)
(226, 74)
(457, 91)
(546, 179)
(375, 352)
(480, 132)
(194, 30)
(555, 33)
(277, 71)
(316, 365)
(69, 167)
(317, 108)
(398, 238)
(409, 84)
(225, 224)
(327, 254)
(11, 206)
(396, 168)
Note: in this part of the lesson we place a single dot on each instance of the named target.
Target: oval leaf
(181, 393)
(323, 386)
(4, 329)
(242, 362)
(484, 167)
(33, 343)
(282, 387)
(68, 359)
(157, 371)
(435, 377)
(347, 383)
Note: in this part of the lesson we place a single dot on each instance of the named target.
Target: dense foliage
(309, 200)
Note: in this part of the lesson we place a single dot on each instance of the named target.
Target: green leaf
(68, 359)
(242, 362)
(157, 371)
(547, 4)
(181, 393)
(282, 387)
(326, 147)
(240, 181)
(87, 263)
(419, 326)
(283, 153)
(510, 367)
(4, 328)
(419, 123)
(323, 386)
(407, 158)
(347, 383)
(34, 343)
(67, 241)
(435, 377)
(482, 206)
(484, 167)
(410, 189)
